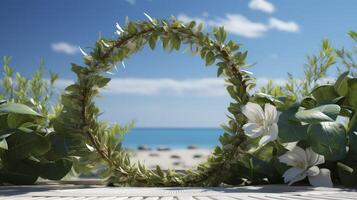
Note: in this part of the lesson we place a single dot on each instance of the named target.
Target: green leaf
(55, 170)
(152, 41)
(3, 144)
(22, 144)
(324, 113)
(17, 109)
(102, 81)
(352, 94)
(341, 85)
(290, 129)
(16, 120)
(308, 103)
(20, 172)
(328, 139)
(220, 71)
(220, 35)
(324, 93)
(347, 175)
(176, 42)
(210, 58)
(353, 139)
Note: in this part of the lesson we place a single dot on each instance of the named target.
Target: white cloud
(288, 26)
(233, 23)
(63, 83)
(240, 25)
(132, 2)
(185, 18)
(168, 86)
(64, 47)
(160, 86)
(262, 5)
(140, 86)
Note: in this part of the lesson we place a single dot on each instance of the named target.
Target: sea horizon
(172, 137)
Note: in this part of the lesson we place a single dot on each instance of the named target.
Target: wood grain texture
(267, 192)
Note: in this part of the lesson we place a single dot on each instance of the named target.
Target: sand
(169, 159)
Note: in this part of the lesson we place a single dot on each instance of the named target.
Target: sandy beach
(171, 158)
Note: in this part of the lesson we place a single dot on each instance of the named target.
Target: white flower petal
(273, 130)
(313, 171)
(290, 145)
(300, 153)
(271, 137)
(293, 175)
(252, 130)
(314, 158)
(270, 113)
(253, 112)
(296, 158)
(323, 179)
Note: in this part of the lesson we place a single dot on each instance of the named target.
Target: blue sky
(159, 89)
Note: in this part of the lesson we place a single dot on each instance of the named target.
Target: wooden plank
(185, 198)
(167, 198)
(222, 198)
(336, 196)
(152, 198)
(203, 198)
(135, 198)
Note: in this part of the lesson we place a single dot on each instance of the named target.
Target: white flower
(261, 123)
(303, 164)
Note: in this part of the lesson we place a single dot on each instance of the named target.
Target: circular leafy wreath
(265, 139)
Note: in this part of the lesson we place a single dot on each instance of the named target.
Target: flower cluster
(303, 163)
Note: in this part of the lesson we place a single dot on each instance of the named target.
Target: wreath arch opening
(79, 122)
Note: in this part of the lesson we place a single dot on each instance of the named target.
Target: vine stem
(96, 143)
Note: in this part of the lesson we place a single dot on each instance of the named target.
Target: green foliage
(324, 113)
(35, 92)
(290, 129)
(310, 116)
(328, 139)
(310, 112)
(26, 149)
(315, 71)
(96, 143)
(26, 144)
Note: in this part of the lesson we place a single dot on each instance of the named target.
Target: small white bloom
(304, 164)
(261, 123)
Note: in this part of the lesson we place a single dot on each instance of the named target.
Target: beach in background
(179, 148)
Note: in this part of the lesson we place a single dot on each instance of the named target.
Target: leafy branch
(78, 100)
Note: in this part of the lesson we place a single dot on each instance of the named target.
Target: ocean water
(175, 138)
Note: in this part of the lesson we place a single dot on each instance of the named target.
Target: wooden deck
(268, 192)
